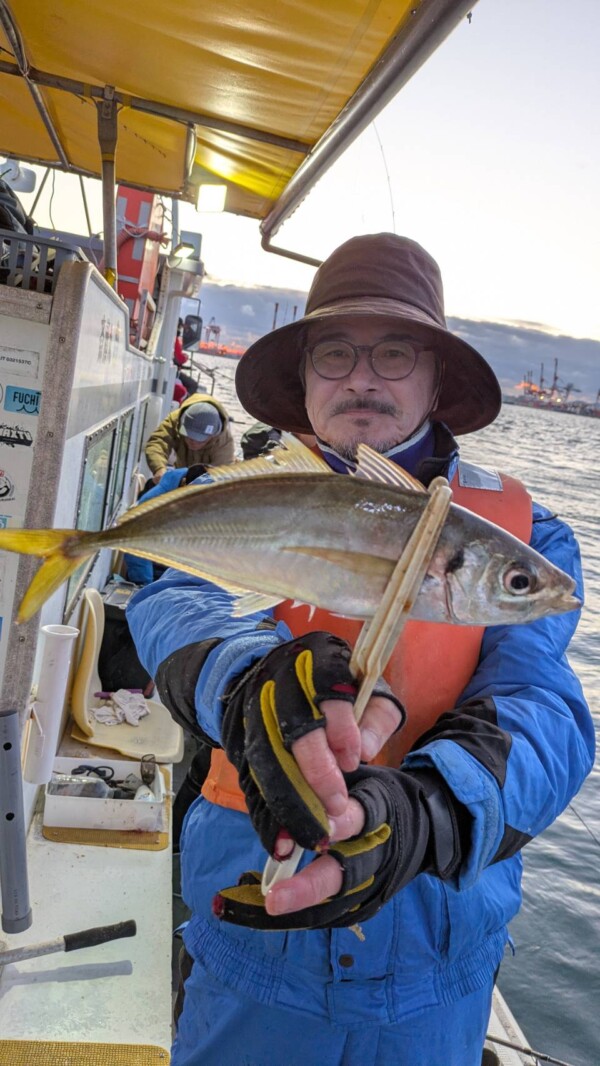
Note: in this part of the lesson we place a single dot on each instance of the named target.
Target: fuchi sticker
(13, 435)
(22, 401)
(7, 489)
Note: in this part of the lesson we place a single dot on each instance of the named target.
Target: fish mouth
(568, 602)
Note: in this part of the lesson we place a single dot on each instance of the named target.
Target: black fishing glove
(266, 710)
(413, 824)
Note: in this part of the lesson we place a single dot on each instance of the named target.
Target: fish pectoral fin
(355, 562)
(245, 601)
(375, 467)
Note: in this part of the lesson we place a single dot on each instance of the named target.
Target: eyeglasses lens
(392, 360)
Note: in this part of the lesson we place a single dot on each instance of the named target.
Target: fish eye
(519, 580)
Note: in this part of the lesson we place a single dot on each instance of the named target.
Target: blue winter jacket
(435, 941)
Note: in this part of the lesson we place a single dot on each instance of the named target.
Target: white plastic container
(86, 813)
(58, 647)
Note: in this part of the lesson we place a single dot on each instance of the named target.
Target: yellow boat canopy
(259, 95)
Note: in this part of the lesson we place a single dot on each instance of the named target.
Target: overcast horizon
(513, 348)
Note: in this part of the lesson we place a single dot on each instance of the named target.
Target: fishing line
(584, 823)
(387, 174)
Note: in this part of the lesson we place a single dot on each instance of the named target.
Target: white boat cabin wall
(76, 406)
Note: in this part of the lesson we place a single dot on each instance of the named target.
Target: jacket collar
(431, 452)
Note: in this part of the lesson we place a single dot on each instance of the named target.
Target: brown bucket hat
(375, 274)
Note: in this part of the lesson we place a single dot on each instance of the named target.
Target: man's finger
(342, 732)
(318, 881)
(378, 723)
(319, 767)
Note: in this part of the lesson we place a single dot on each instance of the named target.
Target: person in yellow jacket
(197, 432)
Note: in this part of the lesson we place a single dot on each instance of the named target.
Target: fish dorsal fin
(290, 457)
(375, 467)
(156, 502)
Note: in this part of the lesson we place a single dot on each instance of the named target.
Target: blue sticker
(1, 627)
(4, 519)
(22, 401)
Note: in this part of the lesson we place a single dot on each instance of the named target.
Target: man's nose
(362, 377)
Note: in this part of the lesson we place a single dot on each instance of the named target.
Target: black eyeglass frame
(370, 349)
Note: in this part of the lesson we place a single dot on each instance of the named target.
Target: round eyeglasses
(392, 360)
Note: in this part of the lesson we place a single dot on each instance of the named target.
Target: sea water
(552, 983)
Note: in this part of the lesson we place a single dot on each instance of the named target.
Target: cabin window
(98, 461)
(122, 453)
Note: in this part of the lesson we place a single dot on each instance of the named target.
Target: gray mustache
(379, 406)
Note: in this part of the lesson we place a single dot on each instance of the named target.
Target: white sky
(493, 155)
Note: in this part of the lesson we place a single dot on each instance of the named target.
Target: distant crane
(212, 330)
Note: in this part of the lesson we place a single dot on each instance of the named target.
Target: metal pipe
(14, 885)
(16, 42)
(40, 190)
(107, 137)
(154, 107)
(429, 25)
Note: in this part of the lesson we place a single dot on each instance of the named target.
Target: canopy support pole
(429, 25)
(107, 137)
(16, 42)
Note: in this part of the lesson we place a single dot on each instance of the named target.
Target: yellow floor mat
(57, 1053)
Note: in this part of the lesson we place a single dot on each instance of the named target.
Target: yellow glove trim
(371, 840)
(304, 672)
(287, 761)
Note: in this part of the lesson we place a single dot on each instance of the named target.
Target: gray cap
(200, 421)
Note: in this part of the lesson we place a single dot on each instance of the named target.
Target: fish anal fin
(375, 467)
(252, 602)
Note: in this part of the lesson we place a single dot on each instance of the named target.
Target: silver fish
(289, 528)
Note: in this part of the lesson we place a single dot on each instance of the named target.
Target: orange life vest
(431, 663)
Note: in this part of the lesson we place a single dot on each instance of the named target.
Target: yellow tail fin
(57, 568)
(34, 541)
(48, 579)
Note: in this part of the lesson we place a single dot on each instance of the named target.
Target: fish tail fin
(48, 544)
(50, 576)
(33, 541)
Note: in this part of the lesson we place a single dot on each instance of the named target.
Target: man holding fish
(384, 947)
(371, 362)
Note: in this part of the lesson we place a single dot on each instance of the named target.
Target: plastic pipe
(48, 706)
(14, 887)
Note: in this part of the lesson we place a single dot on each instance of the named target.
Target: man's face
(362, 407)
(195, 445)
